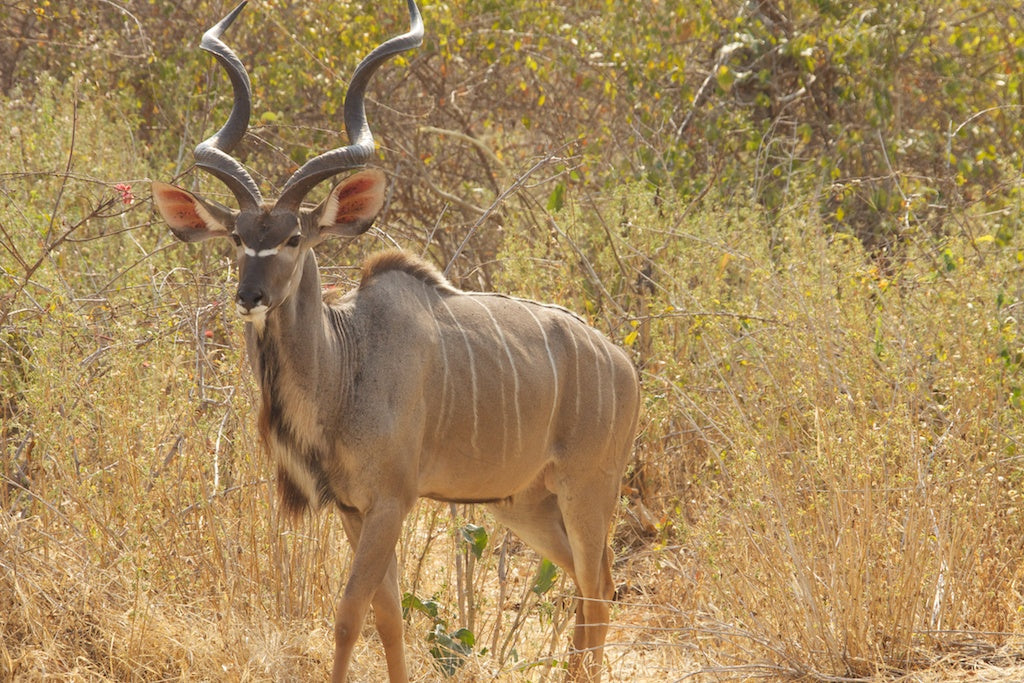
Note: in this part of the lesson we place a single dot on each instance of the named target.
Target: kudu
(409, 387)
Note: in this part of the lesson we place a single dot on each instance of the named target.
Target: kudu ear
(352, 205)
(192, 218)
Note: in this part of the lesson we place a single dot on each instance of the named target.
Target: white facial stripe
(262, 253)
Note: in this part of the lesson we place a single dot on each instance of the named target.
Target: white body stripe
(442, 413)
(551, 360)
(611, 380)
(515, 380)
(599, 382)
(579, 385)
(472, 374)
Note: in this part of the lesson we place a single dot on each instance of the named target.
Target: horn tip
(215, 31)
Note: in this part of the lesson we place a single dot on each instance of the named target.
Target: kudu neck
(302, 328)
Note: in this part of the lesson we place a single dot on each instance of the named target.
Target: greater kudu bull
(410, 387)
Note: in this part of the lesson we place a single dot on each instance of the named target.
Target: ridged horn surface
(214, 154)
(360, 147)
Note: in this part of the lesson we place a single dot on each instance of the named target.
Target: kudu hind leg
(578, 548)
(387, 612)
(592, 620)
(587, 528)
(538, 522)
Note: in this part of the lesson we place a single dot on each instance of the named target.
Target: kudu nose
(249, 298)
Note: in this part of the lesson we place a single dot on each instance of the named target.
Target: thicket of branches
(894, 113)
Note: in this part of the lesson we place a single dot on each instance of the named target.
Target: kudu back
(409, 387)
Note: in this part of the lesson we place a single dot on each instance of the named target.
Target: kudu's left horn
(214, 153)
(360, 147)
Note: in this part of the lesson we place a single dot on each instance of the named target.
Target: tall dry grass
(838, 433)
(829, 460)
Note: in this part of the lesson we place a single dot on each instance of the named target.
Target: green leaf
(948, 260)
(546, 576)
(450, 650)
(476, 537)
(726, 77)
(557, 198)
(465, 636)
(411, 602)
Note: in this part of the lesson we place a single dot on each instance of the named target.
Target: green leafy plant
(545, 578)
(476, 538)
(449, 650)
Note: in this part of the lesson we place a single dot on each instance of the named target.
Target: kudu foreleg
(372, 581)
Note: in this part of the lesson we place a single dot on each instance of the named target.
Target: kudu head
(272, 237)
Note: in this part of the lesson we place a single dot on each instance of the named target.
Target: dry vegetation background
(803, 219)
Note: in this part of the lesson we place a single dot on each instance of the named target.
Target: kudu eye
(236, 239)
(293, 241)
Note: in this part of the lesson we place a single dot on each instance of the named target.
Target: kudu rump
(409, 387)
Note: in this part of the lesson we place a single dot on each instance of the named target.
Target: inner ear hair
(353, 204)
(190, 217)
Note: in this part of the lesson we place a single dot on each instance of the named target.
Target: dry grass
(830, 454)
(831, 461)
